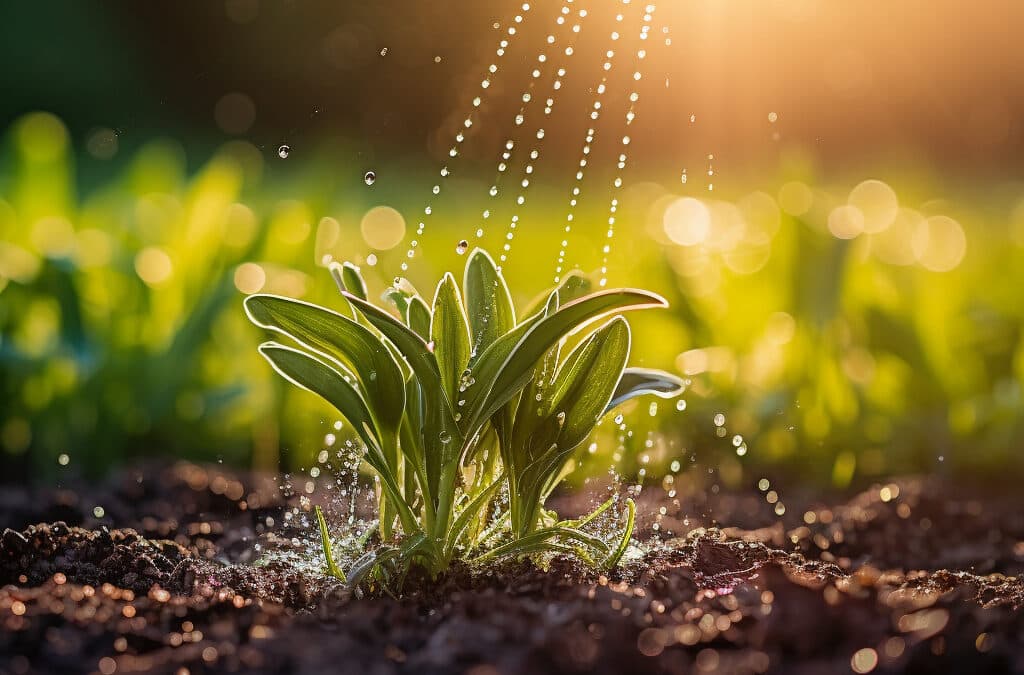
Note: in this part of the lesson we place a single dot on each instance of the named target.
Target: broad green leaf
(581, 390)
(486, 368)
(639, 381)
(449, 333)
(535, 403)
(311, 374)
(342, 339)
(573, 285)
(397, 298)
(587, 379)
(488, 302)
(347, 277)
(411, 345)
(316, 376)
(417, 316)
(442, 437)
(517, 368)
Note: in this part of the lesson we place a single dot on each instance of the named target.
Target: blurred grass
(836, 339)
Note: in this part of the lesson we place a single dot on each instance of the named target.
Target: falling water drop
(284, 151)
(370, 178)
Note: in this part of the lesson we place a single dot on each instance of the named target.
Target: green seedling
(469, 415)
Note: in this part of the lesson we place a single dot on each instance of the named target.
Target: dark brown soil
(913, 577)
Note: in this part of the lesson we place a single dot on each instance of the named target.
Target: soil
(913, 576)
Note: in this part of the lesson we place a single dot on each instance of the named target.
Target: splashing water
(634, 96)
(539, 134)
(595, 115)
(460, 136)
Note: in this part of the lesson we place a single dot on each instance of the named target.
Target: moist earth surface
(910, 576)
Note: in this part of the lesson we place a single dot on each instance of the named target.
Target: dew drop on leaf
(462, 246)
(369, 177)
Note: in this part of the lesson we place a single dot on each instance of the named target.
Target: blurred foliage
(837, 332)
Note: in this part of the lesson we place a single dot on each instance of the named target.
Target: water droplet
(384, 51)
(98, 512)
(445, 437)
(63, 459)
(370, 177)
(773, 117)
(618, 418)
(462, 246)
(284, 151)
(719, 419)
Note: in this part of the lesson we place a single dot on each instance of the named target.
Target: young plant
(459, 399)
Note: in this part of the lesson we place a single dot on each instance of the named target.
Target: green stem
(614, 558)
(325, 541)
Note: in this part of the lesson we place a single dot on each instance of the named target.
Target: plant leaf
(442, 437)
(616, 556)
(313, 375)
(342, 339)
(573, 285)
(325, 542)
(417, 316)
(580, 393)
(411, 345)
(348, 278)
(587, 379)
(517, 368)
(488, 301)
(639, 381)
(449, 333)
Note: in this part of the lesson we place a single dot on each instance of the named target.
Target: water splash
(634, 97)
(595, 115)
(539, 133)
(467, 123)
